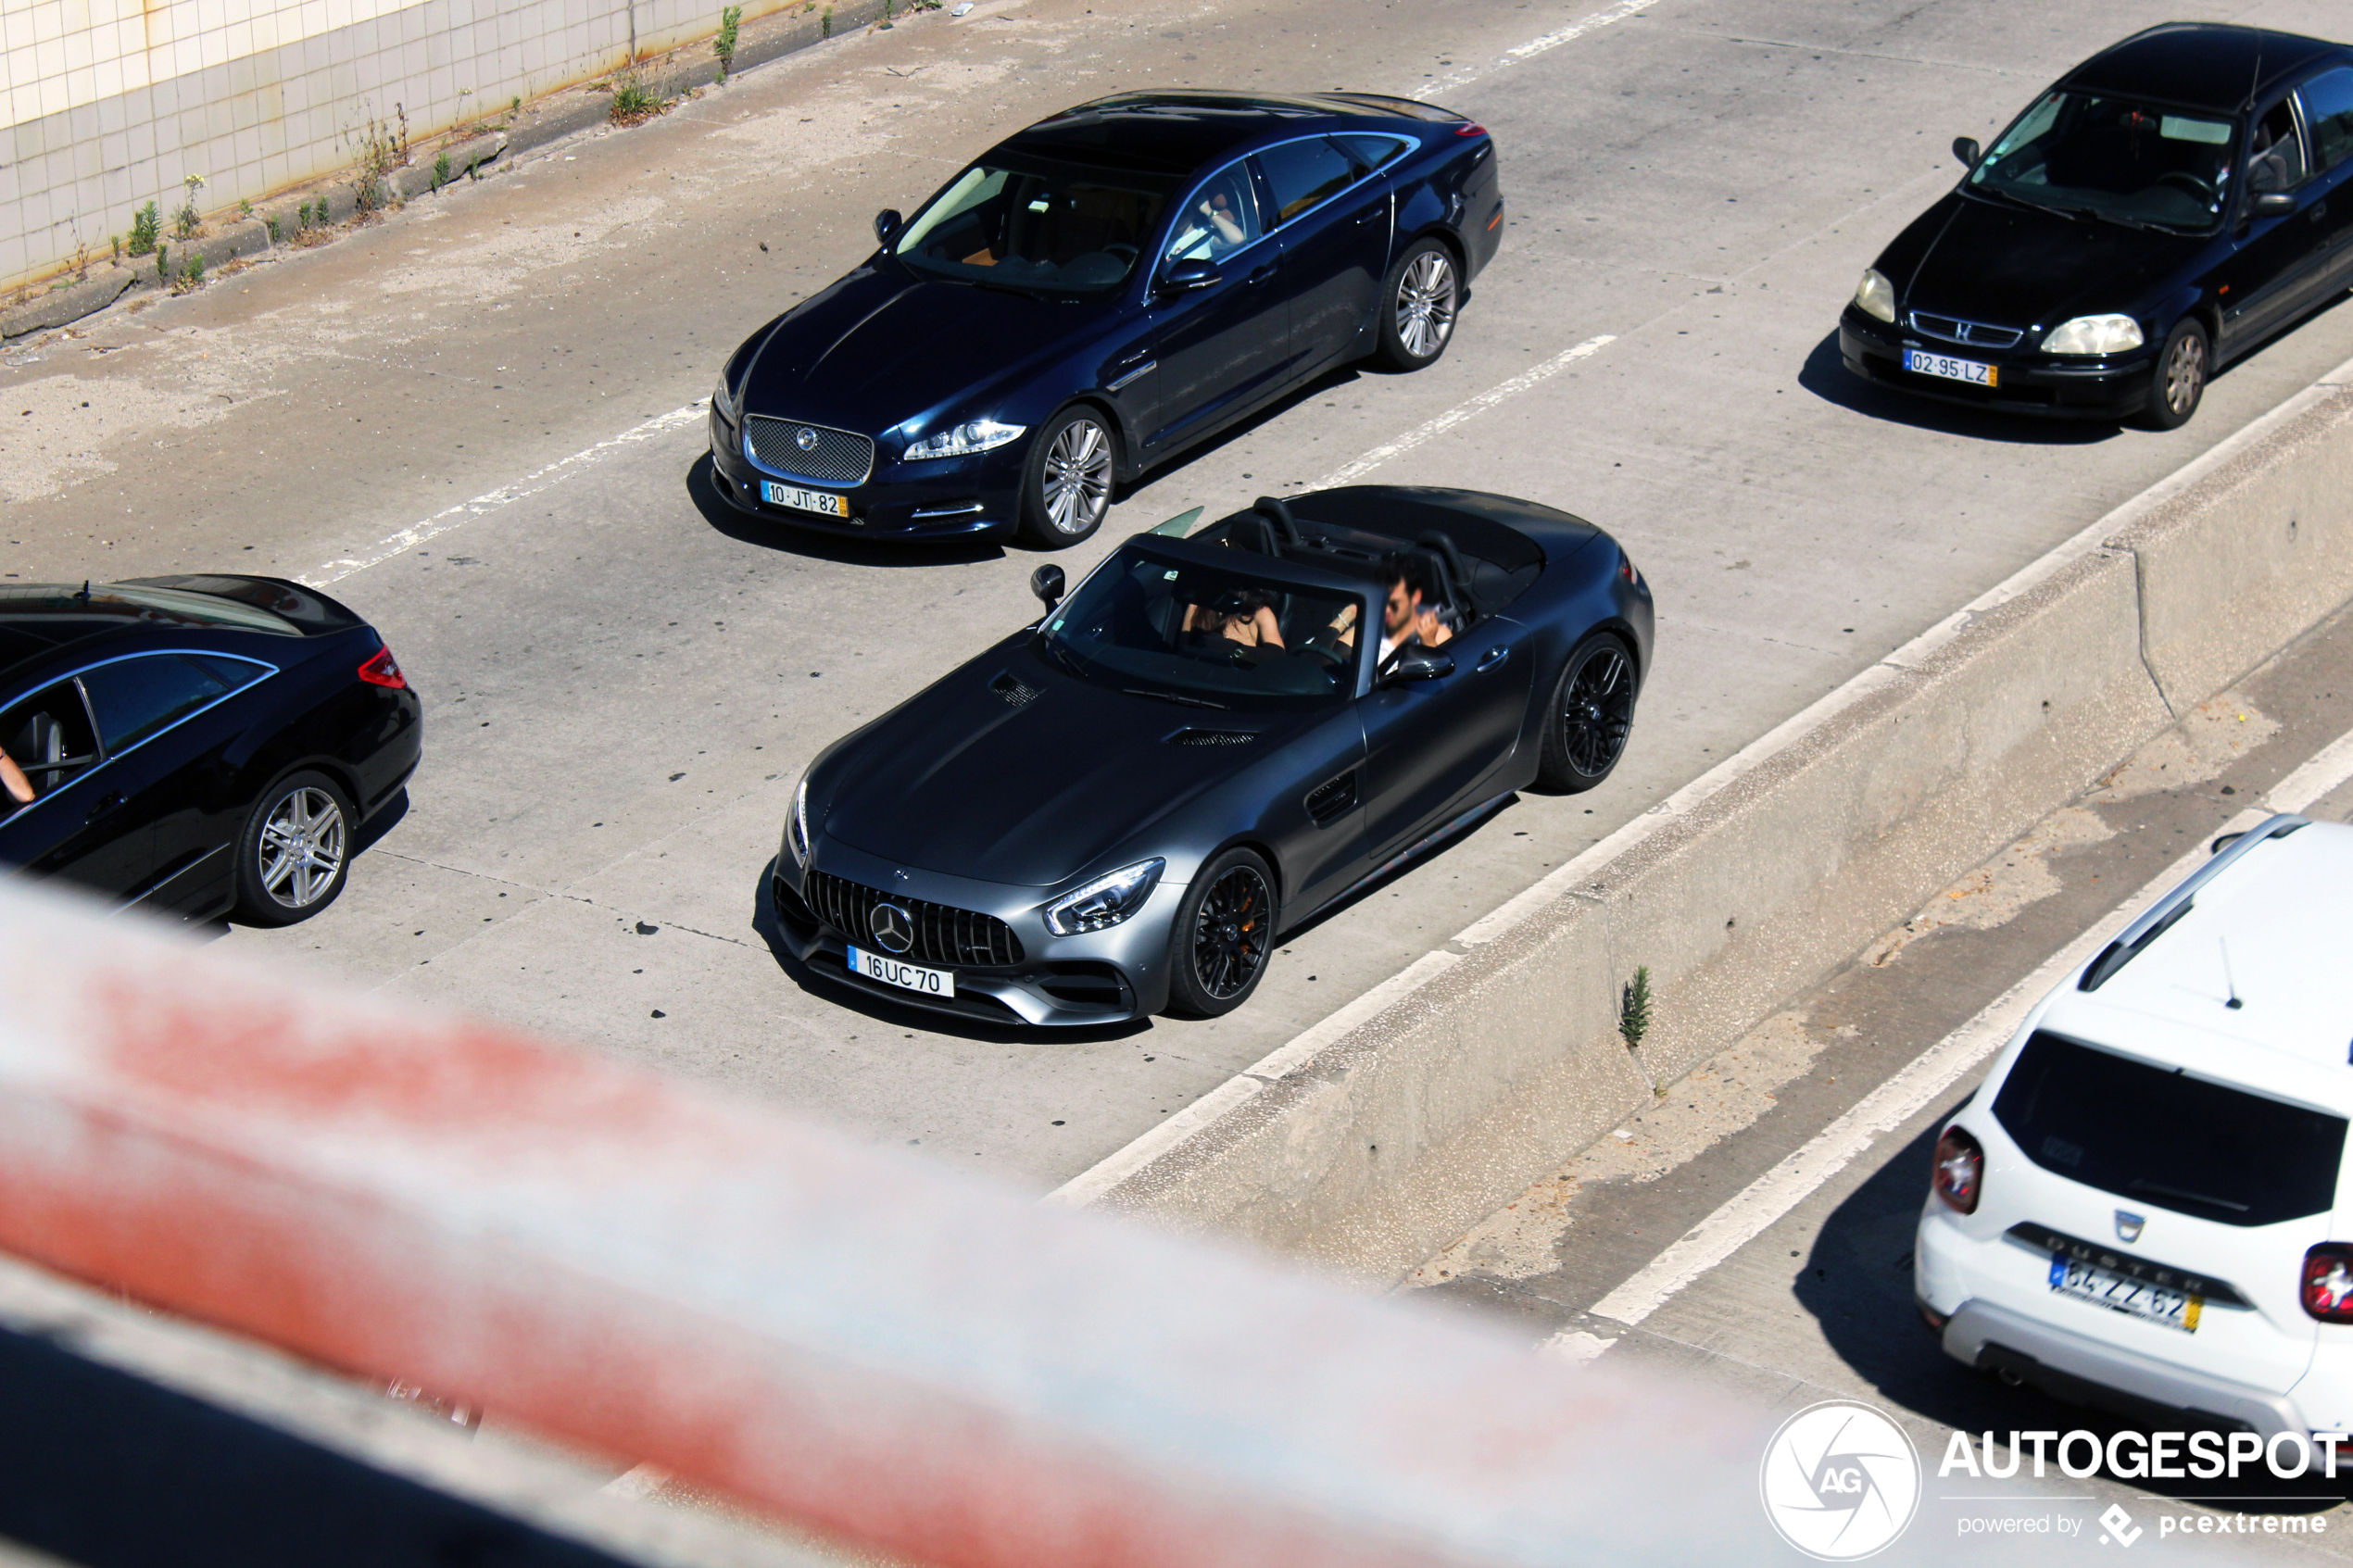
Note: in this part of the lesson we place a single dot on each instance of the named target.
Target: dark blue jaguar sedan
(2168, 207)
(1094, 295)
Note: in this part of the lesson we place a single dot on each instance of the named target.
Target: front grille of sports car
(944, 935)
(831, 457)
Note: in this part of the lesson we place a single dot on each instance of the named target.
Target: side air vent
(1332, 799)
(1213, 737)
(1013, 691)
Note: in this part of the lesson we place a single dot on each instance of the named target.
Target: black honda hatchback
(2168, 206)
(197, 745)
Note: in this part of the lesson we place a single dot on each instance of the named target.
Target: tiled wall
(109, 103)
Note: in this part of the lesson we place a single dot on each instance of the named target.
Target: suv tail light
(382, 670)
(2328, 1282)
(1960, 1170)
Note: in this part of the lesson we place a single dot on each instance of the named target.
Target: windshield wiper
(1170, 696)
(1001, 288)
(1061, 656)
(2159, 1189)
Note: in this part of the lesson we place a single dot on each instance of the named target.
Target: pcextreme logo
(1840, 1481)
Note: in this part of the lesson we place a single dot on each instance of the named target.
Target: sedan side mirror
(886, 225)
(1417, 664)
(2270, 203)
(1966, 150)
(1189, 277)
(1048, 584)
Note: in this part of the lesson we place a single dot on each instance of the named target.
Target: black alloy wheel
(1592, 712)
(2182, 369)
(1225, 929)
(294, 854)
(1067, 484)
(1419, 301)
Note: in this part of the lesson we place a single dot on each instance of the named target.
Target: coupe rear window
(2108, 159)
(1042, 229)
(1211, 638)
(2161, 1138)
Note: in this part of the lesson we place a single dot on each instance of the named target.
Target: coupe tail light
(1470, 128)
(2328, 1282)
(1960, 1170)
(382, 670)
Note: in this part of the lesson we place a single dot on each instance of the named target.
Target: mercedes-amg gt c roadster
(1117, 811)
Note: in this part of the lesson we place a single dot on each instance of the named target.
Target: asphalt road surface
(457, 418)
(1815, 1302)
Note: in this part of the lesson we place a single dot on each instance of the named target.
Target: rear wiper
(1170, 696)
(2159, 1189)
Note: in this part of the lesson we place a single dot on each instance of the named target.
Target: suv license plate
(2149, 1302)
(1944, 365)
(906, 977)
(804, 500)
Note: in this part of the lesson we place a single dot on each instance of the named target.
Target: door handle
(103, 805)
(1494, 656)
(1261, 274)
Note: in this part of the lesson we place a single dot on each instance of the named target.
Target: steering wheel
(2183, 180)
(1122, 250)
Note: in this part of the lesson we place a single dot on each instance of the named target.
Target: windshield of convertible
(1040, 227)
(2114, 161)
(1207, 637)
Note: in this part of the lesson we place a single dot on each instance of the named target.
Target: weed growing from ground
(244, 208)
(273, 221)
(374, 153)
(146, 227)
(1634, 1008)
(187, 223)
(516, 108)
(730, 21)
(826, 23)
(441, 169)
(163, 262)
(632, 100)
(191, 277)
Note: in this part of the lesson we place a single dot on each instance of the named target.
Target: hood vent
(1013, 691)
(1213, 737)
(1332, 799)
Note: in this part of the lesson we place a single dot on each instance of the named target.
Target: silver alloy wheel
(2184, 375)
(1426, 305)
(1079, 477)
(301, 848)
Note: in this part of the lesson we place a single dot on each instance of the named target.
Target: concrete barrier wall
(1379, 1137)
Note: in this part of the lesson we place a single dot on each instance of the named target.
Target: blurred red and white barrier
(853, 1338)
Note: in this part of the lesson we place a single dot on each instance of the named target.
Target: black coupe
(2170, 204)
(197, 745)
(1097, 293)
(1120, 809)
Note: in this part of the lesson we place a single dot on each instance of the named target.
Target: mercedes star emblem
(894, 928)
(806, 440)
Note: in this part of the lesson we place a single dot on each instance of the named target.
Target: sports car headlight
(797, 826)
(2094, 334)
(1107, 900)
(1876, 295)
(721, 401)
(974, 435)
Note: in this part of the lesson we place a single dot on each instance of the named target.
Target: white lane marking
(1913, 1088)
(1107, 1173)
(1537, 46)
(2314, 779)
(1499, 392)
(506, 495)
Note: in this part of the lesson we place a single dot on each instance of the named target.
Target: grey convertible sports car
(1117, 811)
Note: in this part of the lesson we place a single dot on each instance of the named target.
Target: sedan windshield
(1204, 637)
(1040, 227)
(2115, 160)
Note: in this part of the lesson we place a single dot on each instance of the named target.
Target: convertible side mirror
(1189, 277)
(1417, 664)
(886, 225)
(1966, 150)
(1048, 582)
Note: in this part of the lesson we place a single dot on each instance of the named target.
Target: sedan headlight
(974, 435)
(1876, 295)
(797, 826)
(1107, 900)
(722, 401)
(2094, 334)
